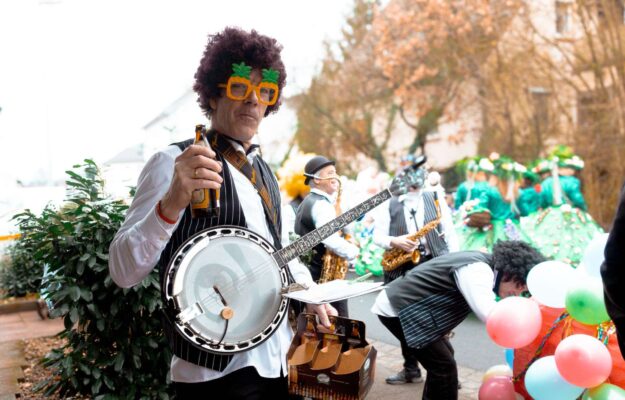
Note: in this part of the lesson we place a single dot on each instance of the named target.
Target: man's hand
(195, 168)
(322, 310)
(402, 242)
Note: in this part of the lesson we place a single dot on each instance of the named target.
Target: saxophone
(394, 257)
(334, 267)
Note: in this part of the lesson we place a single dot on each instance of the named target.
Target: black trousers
(242, 384)
(411, 361)
(437, 358)
(341, 308)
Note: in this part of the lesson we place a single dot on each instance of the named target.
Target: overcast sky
(79, 78)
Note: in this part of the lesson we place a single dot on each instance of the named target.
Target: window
(540, 103)
(563, 17)
(613, 9)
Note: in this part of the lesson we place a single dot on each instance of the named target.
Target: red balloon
(583, 360)
(497, 388)
(514, 322)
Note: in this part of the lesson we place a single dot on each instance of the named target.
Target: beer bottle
(204, 202)
(354, 338)
(329, 338)
(311, 332)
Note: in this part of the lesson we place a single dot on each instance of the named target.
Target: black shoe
(403, 376)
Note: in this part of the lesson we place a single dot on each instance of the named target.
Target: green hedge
(115, 345)
(20, 274)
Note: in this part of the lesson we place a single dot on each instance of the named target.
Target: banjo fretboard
(311, 239)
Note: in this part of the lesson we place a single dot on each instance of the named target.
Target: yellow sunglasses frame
(250, 87)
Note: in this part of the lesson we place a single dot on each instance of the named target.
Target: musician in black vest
(316, 210)
(394, 225)
(239, 81)
(613, 272)
(424, 305)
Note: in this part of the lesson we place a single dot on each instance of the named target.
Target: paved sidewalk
(390, 361)
(14, 328)
(26, 325)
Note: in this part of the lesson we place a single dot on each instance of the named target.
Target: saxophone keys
(416, 256)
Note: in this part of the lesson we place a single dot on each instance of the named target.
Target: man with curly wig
(424, 305)
(239, 82)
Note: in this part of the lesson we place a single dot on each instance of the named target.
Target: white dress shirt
(323, 212)
(413, 201)
(138, 244)
(475, 282)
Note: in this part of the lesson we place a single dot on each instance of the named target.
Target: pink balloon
(583, 360)
(514, 322)
(497, 388)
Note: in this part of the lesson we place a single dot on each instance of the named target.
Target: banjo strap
(255, 176)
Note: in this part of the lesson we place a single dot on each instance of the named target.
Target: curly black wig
(514, 259)
(234, 45)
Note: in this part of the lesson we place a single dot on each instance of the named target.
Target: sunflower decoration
(291, 175)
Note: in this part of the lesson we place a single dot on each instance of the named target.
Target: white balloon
(549, 281)
(593, 255)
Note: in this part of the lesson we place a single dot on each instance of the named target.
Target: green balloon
(584, 301)
(606, 391)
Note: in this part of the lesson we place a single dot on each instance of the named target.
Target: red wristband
(161, 216)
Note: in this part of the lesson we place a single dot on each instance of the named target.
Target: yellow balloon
(497, 370)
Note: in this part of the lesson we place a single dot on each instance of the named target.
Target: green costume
(571, 192)
(505, 223)
(370, 259)
(476, 191)
(461, 194)
(562, 231)
(528, 201)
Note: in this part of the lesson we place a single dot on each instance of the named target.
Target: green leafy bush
(20, 273)
(115, 345)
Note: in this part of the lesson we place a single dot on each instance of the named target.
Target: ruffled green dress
(461, 194)
(504, 224)
(460, 213)
(562, 232)
(571, 192)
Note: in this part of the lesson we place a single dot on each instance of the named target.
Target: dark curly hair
(234, 45)
(514, 259)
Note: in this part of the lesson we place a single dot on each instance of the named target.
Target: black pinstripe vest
(231, 213)
(303, 225)
(398, 227)
(428, 299)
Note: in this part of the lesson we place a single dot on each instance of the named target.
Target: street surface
(474, 349)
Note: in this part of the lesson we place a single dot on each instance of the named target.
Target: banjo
(224, 285)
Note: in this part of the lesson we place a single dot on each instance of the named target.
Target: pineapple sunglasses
(239, 88)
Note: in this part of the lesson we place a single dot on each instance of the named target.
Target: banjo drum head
(227, 265)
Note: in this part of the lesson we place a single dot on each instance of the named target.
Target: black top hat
(315, 164)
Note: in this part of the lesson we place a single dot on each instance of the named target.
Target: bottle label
(199, 199)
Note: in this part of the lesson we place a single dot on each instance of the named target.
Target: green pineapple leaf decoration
(270, 75)
(241, 70)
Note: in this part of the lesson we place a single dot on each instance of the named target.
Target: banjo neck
(311, 239)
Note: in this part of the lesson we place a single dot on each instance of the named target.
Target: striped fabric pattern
(231, 213)
(437, 243)
(432, 318)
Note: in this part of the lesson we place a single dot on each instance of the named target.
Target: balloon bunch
(581, 362)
